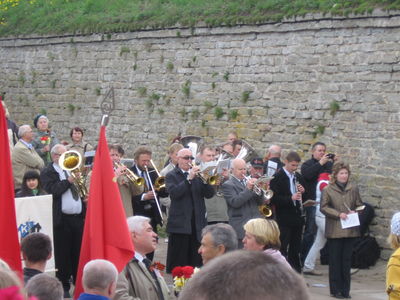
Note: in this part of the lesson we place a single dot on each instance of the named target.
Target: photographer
(320, 162)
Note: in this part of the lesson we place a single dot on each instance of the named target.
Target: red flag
(106, 234)
(9, 250)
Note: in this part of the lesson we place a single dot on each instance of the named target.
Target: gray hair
(275, 149)
(23, 130)
(136, 223)
(222, 234)
(56, 147)
(245, 275)
(99, 274)
(45, 287)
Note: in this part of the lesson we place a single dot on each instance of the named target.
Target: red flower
(187, 271)
(177, 272)
(44, 138)
(159, 266)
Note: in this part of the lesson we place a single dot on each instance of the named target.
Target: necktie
(186, 174)
(73, 189)
(147, 263)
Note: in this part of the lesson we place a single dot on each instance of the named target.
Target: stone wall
(331, 79)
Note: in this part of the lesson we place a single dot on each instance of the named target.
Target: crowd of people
(215, 219)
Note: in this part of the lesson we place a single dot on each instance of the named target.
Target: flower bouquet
(46, 140)
(181, 276)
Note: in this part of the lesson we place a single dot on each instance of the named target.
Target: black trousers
(67, 247)
(183, 251)
(291, 244)
(340, 251)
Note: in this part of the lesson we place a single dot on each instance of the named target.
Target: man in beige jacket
(139, 280)
(24, 157)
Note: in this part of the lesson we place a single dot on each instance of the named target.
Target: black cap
(257, 162)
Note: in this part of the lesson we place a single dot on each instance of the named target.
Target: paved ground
(366, 284)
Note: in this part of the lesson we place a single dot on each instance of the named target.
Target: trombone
(159, 184)
(135, 179)
(154, 193)
(71, 161)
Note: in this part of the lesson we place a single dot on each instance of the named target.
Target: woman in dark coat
(340, 199)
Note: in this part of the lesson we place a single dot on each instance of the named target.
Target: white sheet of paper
(272, 166)
(351, 221)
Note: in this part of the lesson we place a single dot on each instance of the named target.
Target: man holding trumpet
(187, 214)
(241, 199)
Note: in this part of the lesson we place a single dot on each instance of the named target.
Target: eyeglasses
(187, 157)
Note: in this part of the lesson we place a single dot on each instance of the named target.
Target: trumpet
(135, 179)
(205, 176)
(71, 161)
(159, 184)
(267, 194)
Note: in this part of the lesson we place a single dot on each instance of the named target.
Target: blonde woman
(393, 266)
(263, 235)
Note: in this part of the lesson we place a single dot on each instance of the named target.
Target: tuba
(71, 161)
(193, 143)
(247, 152)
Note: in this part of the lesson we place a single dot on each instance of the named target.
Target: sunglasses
(187, 157)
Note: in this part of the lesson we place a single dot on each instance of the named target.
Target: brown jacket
(23, 160)
(333, 203)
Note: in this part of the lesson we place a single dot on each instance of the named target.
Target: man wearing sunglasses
(187, 214)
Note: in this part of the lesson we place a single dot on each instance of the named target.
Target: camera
(330, 155)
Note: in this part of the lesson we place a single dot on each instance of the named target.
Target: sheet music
(351, 221)
(272, 166)
(223, 164)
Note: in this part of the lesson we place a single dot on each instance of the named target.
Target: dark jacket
(53, 185)
(141, 208)
(187, 200)
(286, 212)
(310, 171)
(242, 204)
(274, 159)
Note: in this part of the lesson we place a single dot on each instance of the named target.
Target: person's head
(245, 275)
(8, 278)
(36, 248)
(116, 152)
(45, 287)
(31, 180)
(239, 168)
(216, 240)
(173, 152)
(207, 154)
(100, 278)
(261, 234)
(340, 172)
(274, 151)
(232, 136)
(76, 134)
(292, 161)
(185, 159)
(318, 150)
(394, 236)
(228, 148)
(56, 152)
(142, 157)
(237, 146)
(41, 122)
(25, 132)
(142, 234)
(257, 167)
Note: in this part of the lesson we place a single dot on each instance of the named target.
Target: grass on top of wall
(21, 17)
